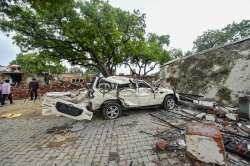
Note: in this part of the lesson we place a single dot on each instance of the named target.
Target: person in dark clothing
(33, 87)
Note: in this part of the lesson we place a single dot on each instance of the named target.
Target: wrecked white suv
(114, 94)
(111, 95)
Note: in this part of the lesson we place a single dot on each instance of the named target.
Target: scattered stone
(232, 116)
(205, 143)
(201, 115)
(210, 117)
(162, 145)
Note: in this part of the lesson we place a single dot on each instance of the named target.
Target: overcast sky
(183, 20)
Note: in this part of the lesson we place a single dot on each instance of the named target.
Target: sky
(183, 20)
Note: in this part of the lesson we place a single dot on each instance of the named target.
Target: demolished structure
(12, 73)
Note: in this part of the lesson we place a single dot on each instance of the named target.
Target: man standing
(1, 98)
(6, 92)
(33, 87)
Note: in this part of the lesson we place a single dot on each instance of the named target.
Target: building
(70, 77)
(12, 73)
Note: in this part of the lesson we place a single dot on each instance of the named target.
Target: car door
(128, 94)
(145, 94)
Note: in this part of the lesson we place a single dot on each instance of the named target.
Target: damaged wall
(222, 73)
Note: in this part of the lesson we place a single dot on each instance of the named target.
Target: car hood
(165, 90)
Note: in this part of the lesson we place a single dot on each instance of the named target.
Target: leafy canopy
(87, 33)
(147, 53)
(229, 33)
(38, 64)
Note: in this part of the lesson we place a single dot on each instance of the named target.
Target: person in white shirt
(6, 92)
(1, 98)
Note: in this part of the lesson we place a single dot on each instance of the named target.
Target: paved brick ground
(117, 142)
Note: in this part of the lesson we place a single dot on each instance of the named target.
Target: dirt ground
(26, 108)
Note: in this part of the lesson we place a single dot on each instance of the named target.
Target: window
(143, 85)
(105, 85)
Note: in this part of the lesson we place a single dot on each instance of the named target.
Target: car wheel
(111, 110)
(169, 102)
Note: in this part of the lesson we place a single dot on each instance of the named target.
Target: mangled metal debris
(205, 142)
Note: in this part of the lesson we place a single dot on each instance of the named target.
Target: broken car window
(143, 85)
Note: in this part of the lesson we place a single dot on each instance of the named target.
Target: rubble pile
(22, 91)
(204, 137)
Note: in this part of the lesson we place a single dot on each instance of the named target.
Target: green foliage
(229, 33)
(176, 52)
(147, 53)
(76, 70)
(87, 33)
(37, 64)
(90, 73)
(210, 39)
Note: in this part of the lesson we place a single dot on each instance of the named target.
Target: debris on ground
(205, 143)
(210, 117)
(64, 134)
(162, 145)
(66, 128)
(59, 140)
(210, 134)
(232, 116)
(11, 115)
(59, 129)
(21, 92)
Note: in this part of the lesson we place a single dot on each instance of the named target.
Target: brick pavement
(101, 142)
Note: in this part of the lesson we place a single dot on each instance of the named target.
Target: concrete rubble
(199, 136)
(21, 92)
(207, 136)
(210, 117)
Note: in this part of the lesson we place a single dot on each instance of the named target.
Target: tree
(146, 54)
(38, 64)
(87, 33)
(209, 39)
(229, 33)
(76, 70)
(176, 53)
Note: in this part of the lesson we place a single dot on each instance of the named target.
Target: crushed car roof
(118, 79)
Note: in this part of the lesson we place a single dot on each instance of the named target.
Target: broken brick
(162, 145)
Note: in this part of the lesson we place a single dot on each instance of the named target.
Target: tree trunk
(105, 70)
